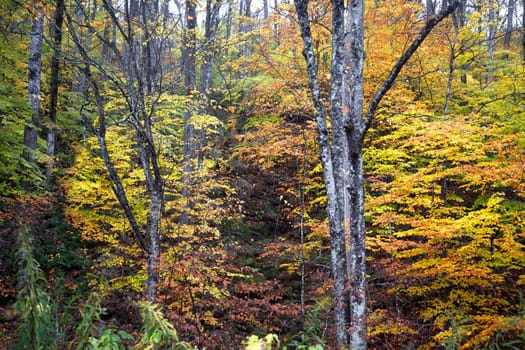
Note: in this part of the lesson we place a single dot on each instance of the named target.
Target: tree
(210, 32)
(137, 75)
(56, 33)
(342, 154)
(492, 24)
(33, 81)
(189, 69)
(523, 30)
(509, 27)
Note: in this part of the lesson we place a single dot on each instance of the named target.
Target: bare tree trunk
(431, 8)
(189, 46)
(353, 102)
(229, 24)
(339, 165)
(146, 144)
(245, 10)
(523, 31)
(510, 21)
(151, 44)
(342, 156)
(334, 208)
(491, 40)
(140, 67)
(275, 26)
(210, 33)
(189, 67)
(451, 64)
(33, 82)
(56, 33)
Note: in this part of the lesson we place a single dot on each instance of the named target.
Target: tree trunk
(189, 46)
(523, 32)
(138, 65)
(491, 40)
(342, 156)
(143, 124)
(56, 33)
(430, 8)
(151, 45)
(357, 251)
(451, 64)
(353, 103)
(210, 33)
(246, 11)
(334, 209)
(509, 27)
(33, 82)
(189, 51)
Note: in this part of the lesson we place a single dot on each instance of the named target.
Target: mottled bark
(430, 8)
(211, 25)
(245, 10)
(340, 168)
(523, 31)
(56, 34)
(451, 64)
(342, 155)
(491, 40)
(189, 68)
(34, 74)
(510, 24)
(353, 103)
(189, 46)
(334, 209)
(140, 89)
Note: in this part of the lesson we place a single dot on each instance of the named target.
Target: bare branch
(389, 81)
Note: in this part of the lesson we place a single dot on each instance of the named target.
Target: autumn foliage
(245, 242)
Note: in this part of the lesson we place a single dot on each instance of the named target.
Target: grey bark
(523, 31)
(334, 212)
(342, 155)
(451, 63)
(491, 40)
(245, 10)
(132, 64)
(189, 46)
(189, 67)
(510, 24)
(56, 34)
(431, 8)
(229, 20)
(33, 82)
(210, 34)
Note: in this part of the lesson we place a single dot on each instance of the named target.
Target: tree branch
(389, 81)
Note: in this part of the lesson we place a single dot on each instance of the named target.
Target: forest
(238, 174)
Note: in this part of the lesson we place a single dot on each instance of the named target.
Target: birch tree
(341, 152)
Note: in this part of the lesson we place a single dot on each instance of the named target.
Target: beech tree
(189, 68)
(341, 149)
(34, 80)
(137, 74)
(56, 33)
